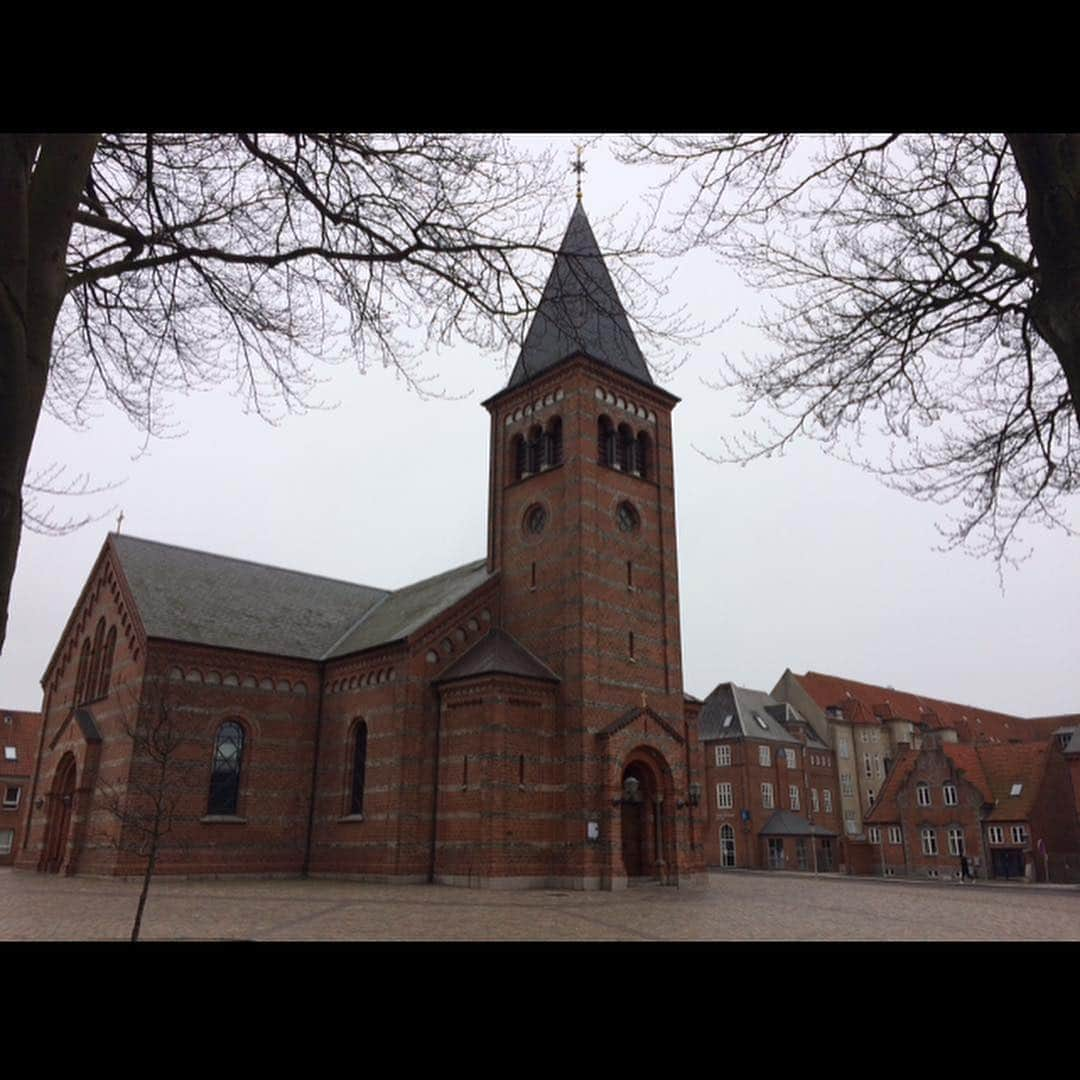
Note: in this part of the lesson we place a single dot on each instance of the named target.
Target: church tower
(581, 532)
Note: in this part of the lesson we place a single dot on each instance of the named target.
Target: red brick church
(518, 720)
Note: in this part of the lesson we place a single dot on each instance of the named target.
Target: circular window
(627, 517)
(535, 519)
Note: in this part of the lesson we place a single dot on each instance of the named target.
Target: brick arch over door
(647, 828)
(61, 799)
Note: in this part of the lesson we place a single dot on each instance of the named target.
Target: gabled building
(19, 735)
(1008, 808)
(518, 720)
(871, 726)
(770, 782)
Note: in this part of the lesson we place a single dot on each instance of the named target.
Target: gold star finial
(578, 167)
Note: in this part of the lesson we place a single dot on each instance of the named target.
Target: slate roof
(406, 610)
(23, 733)
(745, 707)
(867, 704)
(498, 653)
(787, 823)
(194, 596)
(579, 312)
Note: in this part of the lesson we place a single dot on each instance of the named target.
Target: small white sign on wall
(592, 830)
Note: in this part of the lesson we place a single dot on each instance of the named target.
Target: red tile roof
(992, 769)
(23, 733)
(864, 703)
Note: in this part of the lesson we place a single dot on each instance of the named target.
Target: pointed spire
(580, 312)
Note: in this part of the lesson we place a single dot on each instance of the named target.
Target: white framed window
(895, 835)
(11, 798)
(874, 834)
(948, 793)
(814, 800)
(864, 735)
(996, 834)
(851, 827)
(789, 757)
(929, 842)
(956, 841)
(827, 796)
(7, 840)
(842, 748)
(868, 765)
(763, 756)
(847, 785)
(10, 753)
(870, 796)
(922, 794)
(723, 796)
(723, 756)
(1019, 834)
(793, 795)
(727, 846)
(874, 733)
(878, 768)
(767, 796)
(1016, 789)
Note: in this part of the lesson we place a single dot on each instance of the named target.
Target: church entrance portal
(644, 835)
(61, 800)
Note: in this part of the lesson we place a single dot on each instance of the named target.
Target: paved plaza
(737, 906)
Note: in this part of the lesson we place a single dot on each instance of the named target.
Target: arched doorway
(61, 802)
(727, 847)
(646, 833)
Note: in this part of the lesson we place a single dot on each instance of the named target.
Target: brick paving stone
(738, 906)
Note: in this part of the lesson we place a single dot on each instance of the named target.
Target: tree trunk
(1049, 165)
(41, 179)
(150, 864)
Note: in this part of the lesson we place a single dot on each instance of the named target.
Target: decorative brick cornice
(629, 717)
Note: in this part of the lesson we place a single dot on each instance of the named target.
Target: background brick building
(19, 734)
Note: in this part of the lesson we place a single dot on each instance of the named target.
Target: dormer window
(1016, 789)
(760, 722)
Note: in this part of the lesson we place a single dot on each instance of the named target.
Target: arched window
(359, 768)
(517, 456)
(727, 846)
(107, 662)
(553, 443)
(225, 772)
(80, 679)
(605, 441)
(627, 449)
(536, 439)
(95, 661)
(948, 790)
(644, 454)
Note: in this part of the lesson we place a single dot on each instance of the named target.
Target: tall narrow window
(629, 574)
(225, 772)
(107, 662)
(359, 768)
(518, 457)
(521, 770)
(95, 661)
(553, 442)
(80, 679)
(631, 644)
(644, 455)
(535, 450)
(627, 449)
(465, 772)
(605, 434)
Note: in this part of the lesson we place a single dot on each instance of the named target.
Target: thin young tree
(927, 286)
(147, 807)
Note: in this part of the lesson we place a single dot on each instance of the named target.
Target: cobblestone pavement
(737, 906)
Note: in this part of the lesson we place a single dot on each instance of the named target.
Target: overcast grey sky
(801, 561)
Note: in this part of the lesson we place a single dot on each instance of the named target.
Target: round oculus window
(535, 519)
(627, 517)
